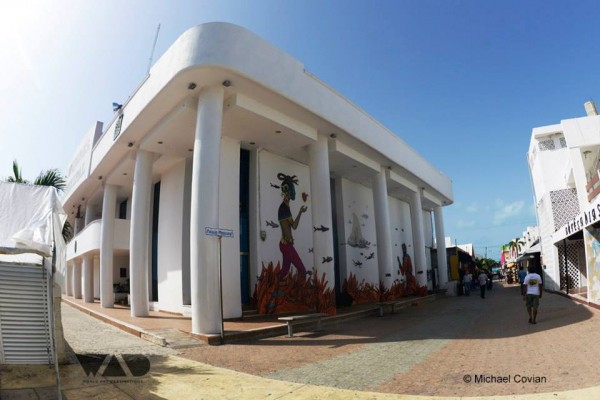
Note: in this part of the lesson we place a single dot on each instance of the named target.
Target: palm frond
(51, 177)
(17, 177)
(67, 232)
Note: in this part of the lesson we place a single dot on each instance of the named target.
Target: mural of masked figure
(287, 223)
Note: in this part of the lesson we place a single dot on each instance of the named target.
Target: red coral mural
(365, 292)
(293, 293)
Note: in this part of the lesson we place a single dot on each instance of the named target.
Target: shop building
(564, 163)
(232, 171)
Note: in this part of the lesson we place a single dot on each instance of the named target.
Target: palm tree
(51, 177)
(515, 246)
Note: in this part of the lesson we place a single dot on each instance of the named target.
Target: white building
(223, 127)
(564, 163)
(530, 236)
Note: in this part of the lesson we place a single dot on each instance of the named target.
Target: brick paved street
(432, 348)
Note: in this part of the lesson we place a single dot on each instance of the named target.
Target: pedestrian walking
(467, 279)
(532, 290)
(482, 283)
(522, 274)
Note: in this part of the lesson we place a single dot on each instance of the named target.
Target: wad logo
(114, 365)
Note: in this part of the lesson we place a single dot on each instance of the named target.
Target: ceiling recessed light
(333, 135)
(252, 143)
(100, 177)
(190, 149)
(124, 173)
(278, 131)
(160, 142)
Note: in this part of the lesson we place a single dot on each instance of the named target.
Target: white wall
(170, 238)
(401, 232)
(96, 277)
(229, 218)
(359, 215)
(428, 232)
(269, 165)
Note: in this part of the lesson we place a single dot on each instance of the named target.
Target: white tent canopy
(31, 221)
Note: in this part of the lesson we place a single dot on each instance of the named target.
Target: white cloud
(507, 211)
(472, 208)
(465, 224)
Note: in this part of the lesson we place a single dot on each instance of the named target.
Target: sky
(463, 82)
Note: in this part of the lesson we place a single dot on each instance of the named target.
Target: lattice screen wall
(562, 142)
(573, 248)
(565, 206)
(546, 225)
(546, 145)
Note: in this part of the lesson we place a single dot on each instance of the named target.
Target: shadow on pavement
(502, 314)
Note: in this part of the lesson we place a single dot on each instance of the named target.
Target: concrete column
(90, 213)
(69, 283)
(77, 279)
(320, 188)
(109, 207)
(88, 279)
(140, 234)
(204, 267)
(382, 224)
(416, 217)
(440, 240)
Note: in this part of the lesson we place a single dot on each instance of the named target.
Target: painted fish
(274, 186)
(321, 228)
(365, 216)
(327, 259)
(357, 263)
(310, 250)
(272, 224)
(370, 256)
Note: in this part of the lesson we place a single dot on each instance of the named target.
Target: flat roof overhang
(272, 102)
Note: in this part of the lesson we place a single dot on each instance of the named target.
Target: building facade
(564, 162)
(233, 173)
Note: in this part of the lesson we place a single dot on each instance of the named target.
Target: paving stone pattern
(85, 334)
(432, 349)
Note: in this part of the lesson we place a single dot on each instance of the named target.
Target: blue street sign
(228, 233)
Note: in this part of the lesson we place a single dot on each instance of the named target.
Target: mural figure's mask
(288, 183)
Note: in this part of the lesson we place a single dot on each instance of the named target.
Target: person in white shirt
(467, 283)
(483, 278)
(532, 290)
